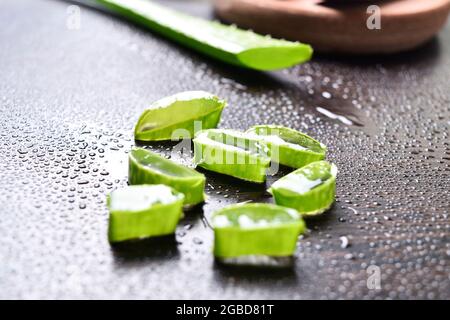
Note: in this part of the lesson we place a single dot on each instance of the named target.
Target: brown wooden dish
(341, 26)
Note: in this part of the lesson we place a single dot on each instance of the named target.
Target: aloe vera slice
(289, 147)
(256, 229)
(232, 153)
(225, 43)
(143, 211)
(180, 111)
(146, 167)
(310, 190)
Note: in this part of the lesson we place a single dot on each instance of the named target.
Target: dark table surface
(69, 100)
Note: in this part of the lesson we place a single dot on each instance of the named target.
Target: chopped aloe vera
(180, 111)
(146, 167)
(289, 147)
(256, 230)
(143, 211)
(232, 153)
(310, 190)
(259, 261)
(222, 42)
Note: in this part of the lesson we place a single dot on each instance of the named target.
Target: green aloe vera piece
(310, 190)
(225, 43)
(256, 229)
(146, 167)
(143, 211)
(232, 153)
(180, 111)
(289, 147)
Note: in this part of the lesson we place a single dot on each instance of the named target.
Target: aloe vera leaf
(310, 190)
(143, 211)
(256, 229)
(225, 43)
(180, 111)
(146, 167)
(288, 146)
(232, 153)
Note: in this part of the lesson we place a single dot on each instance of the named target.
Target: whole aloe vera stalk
(226, 43)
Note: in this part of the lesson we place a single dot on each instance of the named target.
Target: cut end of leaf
(256, 229)
(274, 58)
(309, 190)
(146, 167)
(179, 116)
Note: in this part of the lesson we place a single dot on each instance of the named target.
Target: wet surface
(69, 100)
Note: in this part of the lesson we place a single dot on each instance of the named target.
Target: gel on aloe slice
(289, 147)
(232, 153)
(146, 167)
(179, 112)
(143, 211)
(310, 190)
(226, 43)
(256, 230)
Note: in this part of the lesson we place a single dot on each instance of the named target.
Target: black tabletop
(69, 98)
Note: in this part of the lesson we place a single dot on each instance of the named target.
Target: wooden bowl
(335, 26)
